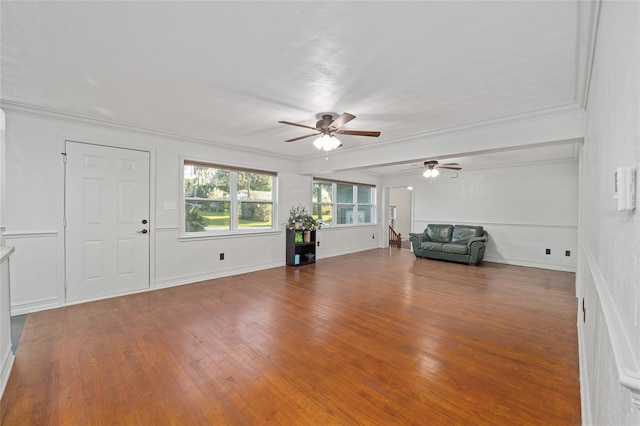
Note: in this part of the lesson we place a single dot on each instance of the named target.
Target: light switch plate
(625, 188)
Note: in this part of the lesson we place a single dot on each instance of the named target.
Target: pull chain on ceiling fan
(326, 128)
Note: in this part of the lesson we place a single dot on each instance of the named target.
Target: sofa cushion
(431, 246)
(455, 248)
(463, 233)
(439, 233)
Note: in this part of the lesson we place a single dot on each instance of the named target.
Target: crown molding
(536, 114)
(588, 17)
(48, 114)
(565, 112)
(557, 110)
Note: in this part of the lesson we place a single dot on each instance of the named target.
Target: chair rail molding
(29, 234)
(485, 223)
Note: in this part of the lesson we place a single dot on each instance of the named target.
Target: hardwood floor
(376, 337)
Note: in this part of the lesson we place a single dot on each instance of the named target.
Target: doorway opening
(399, 213)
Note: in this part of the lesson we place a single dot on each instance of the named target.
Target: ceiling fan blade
(358, 133)
(450, 168)
(303, 137)
(299, 125)
(450, 164)
(342, 120)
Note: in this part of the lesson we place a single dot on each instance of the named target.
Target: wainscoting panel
(341, 241)
(6, 364)
(603, 366)
(6, 355)
(182, 261)
(526, 244)
(34, 271)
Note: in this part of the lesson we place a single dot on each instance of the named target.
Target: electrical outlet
(221, 256)
(567, 253)
(547, 251)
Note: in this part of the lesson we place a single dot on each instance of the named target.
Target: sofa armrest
(483, 239)
(474, 239)
(418, 237)
(477, 247)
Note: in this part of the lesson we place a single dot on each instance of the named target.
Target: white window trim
(355, 204)
(234, 231)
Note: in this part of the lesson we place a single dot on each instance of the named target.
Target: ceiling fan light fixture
(335, 142)
(318, 142)
(431, 172)
(327, 142)
(432, 168)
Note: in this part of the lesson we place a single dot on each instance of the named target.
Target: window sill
(348, 226)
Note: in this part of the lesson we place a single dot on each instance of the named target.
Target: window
(322, 199)
(342, 203)
(220, 199)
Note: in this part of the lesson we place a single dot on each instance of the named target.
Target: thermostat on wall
(625, 188)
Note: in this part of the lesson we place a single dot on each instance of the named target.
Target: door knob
(144, 231)
(144, 221)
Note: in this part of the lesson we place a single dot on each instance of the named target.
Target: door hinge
(64, 221)
(64, 157)
(65, 289)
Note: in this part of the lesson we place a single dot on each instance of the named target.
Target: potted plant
(301, 222)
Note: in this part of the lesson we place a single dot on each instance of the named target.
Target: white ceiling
(226, 72)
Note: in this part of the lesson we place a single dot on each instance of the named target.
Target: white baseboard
(7, 365)
(35, 305)
(343, 252)
(530, 264)
(190, 279)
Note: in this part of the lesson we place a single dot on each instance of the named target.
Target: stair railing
(395, 238)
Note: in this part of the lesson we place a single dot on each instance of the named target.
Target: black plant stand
(299, 254)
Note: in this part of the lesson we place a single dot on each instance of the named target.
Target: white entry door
(107, 221)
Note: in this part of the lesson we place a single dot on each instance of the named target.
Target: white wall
(2, 176)
(609, 272)
(525, 209)
(34, 207)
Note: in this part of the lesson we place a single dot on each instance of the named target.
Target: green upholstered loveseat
(457, 243)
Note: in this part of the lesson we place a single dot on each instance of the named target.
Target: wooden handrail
(395, 238)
